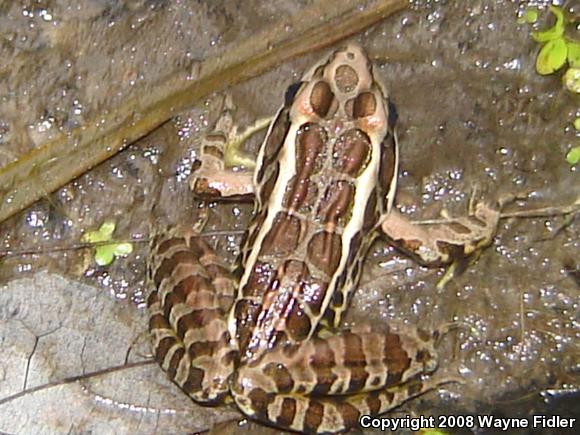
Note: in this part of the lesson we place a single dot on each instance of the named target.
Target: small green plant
(530, 16)
(105, 253)
(557, 49)
(573, 156)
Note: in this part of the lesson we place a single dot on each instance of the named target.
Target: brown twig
(549, 211)
(73, 379)
(91, 245)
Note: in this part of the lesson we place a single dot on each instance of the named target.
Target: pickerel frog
(269, 338)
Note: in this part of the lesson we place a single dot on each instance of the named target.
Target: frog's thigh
(188, 307)
(443, 242)
(367, 373)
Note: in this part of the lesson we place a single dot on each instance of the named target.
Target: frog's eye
(291, 93)
(393, 115)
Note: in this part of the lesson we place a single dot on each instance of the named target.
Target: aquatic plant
(105, 253)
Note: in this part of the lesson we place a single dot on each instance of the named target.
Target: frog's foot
(233, 154)
(188, 314)
(326, 384)
(224, 170)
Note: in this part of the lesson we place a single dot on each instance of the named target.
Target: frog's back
(325, 174)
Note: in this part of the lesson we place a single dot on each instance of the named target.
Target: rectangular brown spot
(157, 321)
(202, 348)
(395, 358)
(162, 348)
(169, 264)
(196, 319)
(153, 298)
(337, 203)
(194, 380)
(313, 416)
(195, 290)
(373, 403)
(287, 412)
(260, 402)
(282, 238)
(174, 363)
(349, 413)
(324, 251)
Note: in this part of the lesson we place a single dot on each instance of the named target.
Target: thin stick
(531, 213)
(91, 245)
(544, 211)
(50, 166)
(74, 379)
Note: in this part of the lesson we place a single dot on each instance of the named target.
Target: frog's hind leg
(331, 415)
(188, 307)
(326, 384)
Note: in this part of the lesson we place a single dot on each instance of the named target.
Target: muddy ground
(473, 117)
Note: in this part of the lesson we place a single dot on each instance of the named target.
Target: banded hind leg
(193, 291)
(191, 297)
(326, 384)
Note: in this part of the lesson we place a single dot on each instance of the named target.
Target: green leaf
(577, 123)
(571, 80)
(573, 156)
(573, 54)
(554, 32)
(104, 255)
(122, 249)
(552, 56)
(530, 16)
(103, 234)
(107, 228)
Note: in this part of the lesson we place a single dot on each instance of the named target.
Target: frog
(268, 336)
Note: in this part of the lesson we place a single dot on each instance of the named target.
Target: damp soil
(474, 120)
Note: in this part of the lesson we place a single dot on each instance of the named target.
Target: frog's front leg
(224, 171)
(193, 292)
(325, 385)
